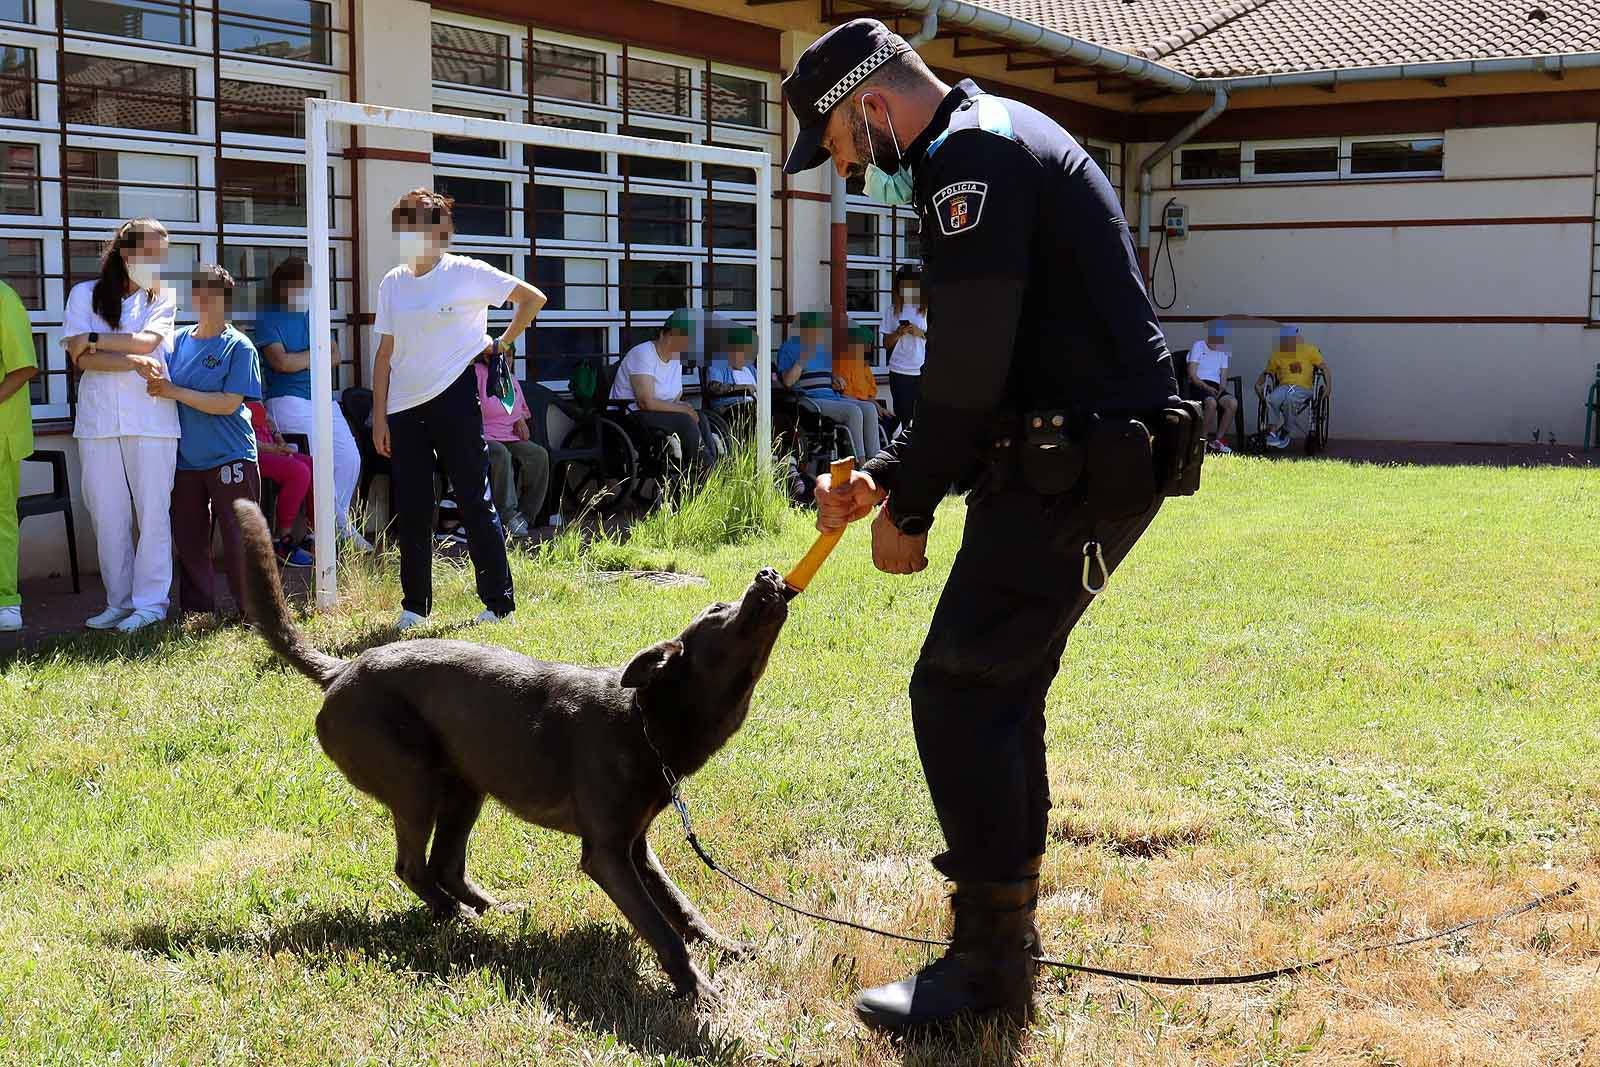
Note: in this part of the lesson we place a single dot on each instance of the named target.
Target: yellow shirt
(16, 353)
(859, 384)
(1297, 367)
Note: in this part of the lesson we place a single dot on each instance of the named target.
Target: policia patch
(959, 206)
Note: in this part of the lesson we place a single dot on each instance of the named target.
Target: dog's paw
(453, 911)
(703, 994)
(738, 951)
(696, 988)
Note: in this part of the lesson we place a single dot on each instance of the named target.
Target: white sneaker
(138, 621)
(107, 619)
(1221, 448)
(11, 619)
(407, 620)
(1277, 440)
(354, 539)
(517, 525)
(488, 615)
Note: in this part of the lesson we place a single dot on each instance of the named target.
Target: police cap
(826, 73)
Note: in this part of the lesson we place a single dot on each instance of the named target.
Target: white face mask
(146, 274)
(300, 300)
(414, 245)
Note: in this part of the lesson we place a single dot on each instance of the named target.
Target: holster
(1180, 448)
(1050, 461)
(1119, 469)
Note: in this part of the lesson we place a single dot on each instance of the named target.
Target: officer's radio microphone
(795, 581)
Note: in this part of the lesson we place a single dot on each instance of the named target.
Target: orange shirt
(859, 384)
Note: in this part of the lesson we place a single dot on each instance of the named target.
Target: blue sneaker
(293, 555)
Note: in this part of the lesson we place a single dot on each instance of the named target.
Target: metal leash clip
(1092, 556)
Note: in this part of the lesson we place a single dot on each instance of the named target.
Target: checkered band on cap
(859, 74)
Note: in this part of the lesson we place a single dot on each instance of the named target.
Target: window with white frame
(1311, 160)
(615, 242)
(123, 118)
(1108, 156)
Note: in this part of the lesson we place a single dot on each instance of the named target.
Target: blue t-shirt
(817, 379)
(226, 363)
(722, 371)
(292, 330)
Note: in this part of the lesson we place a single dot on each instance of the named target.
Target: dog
(432, 727)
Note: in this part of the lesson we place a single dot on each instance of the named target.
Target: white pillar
(806, 265)
(395, 70)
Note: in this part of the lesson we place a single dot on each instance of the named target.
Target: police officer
(1039, 329)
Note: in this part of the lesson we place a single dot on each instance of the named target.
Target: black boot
(988, 967)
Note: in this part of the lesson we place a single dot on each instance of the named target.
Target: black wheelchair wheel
(607, 481)
(1317, 438)
(718, 434)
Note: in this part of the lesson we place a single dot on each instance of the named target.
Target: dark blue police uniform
(1035, 302)
(1047, 387)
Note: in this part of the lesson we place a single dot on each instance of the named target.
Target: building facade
(1437, 241)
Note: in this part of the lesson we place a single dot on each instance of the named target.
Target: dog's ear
(651, 664)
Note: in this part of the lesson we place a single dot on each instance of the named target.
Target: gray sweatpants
(519, 476)
(1288, 408)
(860, 417)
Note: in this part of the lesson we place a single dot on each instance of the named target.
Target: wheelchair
(811, 440)
(659, 460)
(1318, 408)
(595, 469)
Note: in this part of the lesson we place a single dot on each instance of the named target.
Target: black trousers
(451, 427)
(904, 389)
(978, 690)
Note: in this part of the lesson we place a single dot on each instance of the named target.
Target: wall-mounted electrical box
(1175, 221)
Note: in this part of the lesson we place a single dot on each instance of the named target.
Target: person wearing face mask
(432, 324)
(118, 333)
(905, 337)
(283, 336)
(1047, 362)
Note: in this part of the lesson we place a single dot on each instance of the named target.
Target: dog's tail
(265, 605)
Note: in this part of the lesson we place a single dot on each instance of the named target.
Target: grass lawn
(1319, 705)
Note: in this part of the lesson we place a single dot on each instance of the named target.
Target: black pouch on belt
(1119, 471)
(1050, 463)
(1180, 449)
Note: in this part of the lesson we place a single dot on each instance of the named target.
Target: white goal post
(320, 114)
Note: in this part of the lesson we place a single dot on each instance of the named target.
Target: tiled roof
(1227, 38)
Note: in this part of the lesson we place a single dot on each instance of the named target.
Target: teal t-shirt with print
(226, 363)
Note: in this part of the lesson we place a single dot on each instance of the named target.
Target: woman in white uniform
(118, 332)
(432, 324)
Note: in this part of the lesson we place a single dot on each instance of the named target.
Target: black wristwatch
(94, 338)
(910, 525)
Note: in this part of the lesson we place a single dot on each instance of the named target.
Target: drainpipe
(838, 231)
(1219, 103)
(838, 251)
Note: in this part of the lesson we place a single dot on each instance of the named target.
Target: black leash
(682, 808)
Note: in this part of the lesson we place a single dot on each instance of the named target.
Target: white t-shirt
(1211, 362)
(909, 351)
(439, 322)
(117, 403)
(644, 359)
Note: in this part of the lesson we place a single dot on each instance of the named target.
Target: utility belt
(1117, 465)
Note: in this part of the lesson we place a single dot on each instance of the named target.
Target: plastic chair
(58, 499)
